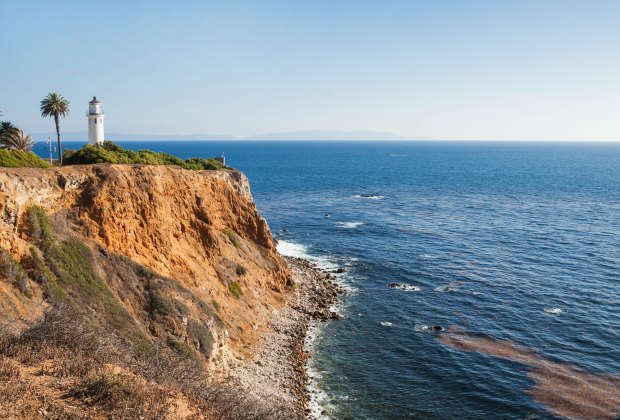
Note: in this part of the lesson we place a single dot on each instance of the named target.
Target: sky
(444, 69)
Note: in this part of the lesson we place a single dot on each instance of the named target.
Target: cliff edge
(167, 264)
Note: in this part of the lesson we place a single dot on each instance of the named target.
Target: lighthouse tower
(95, 122)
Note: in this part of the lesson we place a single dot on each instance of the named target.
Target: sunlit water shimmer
(497, 241)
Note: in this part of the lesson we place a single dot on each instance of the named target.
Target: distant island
(291, 135)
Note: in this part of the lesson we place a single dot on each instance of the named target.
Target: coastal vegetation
(20, 159)
(16, 148)
(7, 128)
(110, 152)
(70, 264)
(235, 289)
(13, 272)
(232, 236)
(54, 105)
(17, 140)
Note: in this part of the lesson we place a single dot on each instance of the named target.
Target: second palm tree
(54, 105)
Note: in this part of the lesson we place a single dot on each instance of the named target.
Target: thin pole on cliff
(49, 144)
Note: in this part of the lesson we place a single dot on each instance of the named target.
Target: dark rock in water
(394, 285)
(334, 315)
(339, 271)
(436, 328)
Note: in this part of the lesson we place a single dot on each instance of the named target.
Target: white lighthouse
(95, 122)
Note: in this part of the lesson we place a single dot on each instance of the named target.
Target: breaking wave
(554, 311)
(369, 196)
(404, 286)
(349, 225)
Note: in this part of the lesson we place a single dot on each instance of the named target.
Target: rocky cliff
(170, 261)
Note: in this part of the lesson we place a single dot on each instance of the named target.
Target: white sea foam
(318, 398)
(292, 249)
(349, 225)
(369, 196)
(404, 287)
(427, 256)
(386, 323)
(554, 311)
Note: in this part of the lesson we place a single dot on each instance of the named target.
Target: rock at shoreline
(279, 372)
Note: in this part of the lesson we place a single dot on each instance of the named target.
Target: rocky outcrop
(199, 231)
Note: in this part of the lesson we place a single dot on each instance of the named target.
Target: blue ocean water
(510, 240)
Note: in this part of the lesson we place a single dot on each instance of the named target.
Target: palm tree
(54, 105)
(18, 140)
(6, 128)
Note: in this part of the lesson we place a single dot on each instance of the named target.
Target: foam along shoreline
(295, 250)
(278, 371)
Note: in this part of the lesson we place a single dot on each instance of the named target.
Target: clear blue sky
(496, 69)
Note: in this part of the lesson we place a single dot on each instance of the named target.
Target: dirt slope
(175, 264)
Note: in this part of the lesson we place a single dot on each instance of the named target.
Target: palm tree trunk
(58, 136)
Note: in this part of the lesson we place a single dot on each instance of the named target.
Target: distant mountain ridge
(83, 135)
(292, 135)
(332, 135)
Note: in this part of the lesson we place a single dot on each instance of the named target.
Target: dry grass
(69, 368)
(123, 395)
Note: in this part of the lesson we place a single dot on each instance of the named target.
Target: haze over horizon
(453, 70)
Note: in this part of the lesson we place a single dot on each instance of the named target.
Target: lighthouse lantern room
(95, 122)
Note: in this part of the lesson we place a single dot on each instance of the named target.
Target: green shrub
(235, 289)
(13, 272)
(40, 228)
(21, 159)
(202, 335)
(43, 275)
(202, 164)
(70, 264)
(113, 153)
(183, 350)
(232, 236)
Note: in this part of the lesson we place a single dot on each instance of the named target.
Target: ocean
(492, 241)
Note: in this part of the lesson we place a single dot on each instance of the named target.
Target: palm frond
(7, 127)
(17, 140)
(54, 105)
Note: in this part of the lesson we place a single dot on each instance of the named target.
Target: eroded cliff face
(191, 242)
